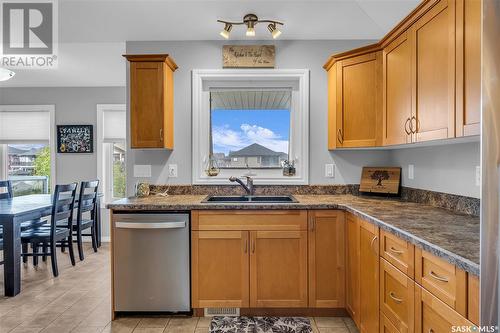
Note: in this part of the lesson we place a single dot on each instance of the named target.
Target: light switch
(411, 170)
(142, 171)
(172, 170)
(330, 170)
(478, 175)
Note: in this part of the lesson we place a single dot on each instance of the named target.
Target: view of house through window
(28, 167)
(250, 128)
(119, 176)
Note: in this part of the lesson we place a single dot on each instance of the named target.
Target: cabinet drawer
(442, 279)
(386, 326)
(473, 299)
(398, 252)
(433, 315)
(396, 297)
(279, 220)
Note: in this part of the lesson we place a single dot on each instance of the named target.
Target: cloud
(226, 139)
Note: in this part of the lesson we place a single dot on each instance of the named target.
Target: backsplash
(452, 202)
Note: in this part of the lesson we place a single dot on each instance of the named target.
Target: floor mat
(260, 325)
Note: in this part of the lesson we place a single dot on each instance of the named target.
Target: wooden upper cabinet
(397, 90)
(326, 259)
(151, 101)
(369, 277)
(433, 70)
(359, 101)
(352, 267)
(220, 268)
(468, 55)
(278, 269)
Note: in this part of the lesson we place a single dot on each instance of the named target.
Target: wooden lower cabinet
(386, 326)
(220, 269)
(433, 315)
(352, 267)
(473, 299)
(278, 269)
(369, 277)
(396, 297)
(326, 252)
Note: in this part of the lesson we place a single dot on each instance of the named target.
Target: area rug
(260, 325)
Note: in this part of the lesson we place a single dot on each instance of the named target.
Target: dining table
(14, 211)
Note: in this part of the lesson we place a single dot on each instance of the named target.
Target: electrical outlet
(172, 170)
(478, 175)
(142, 171)
(411, 171)
(330, 170)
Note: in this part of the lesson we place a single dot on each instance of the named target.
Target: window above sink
(250, 122)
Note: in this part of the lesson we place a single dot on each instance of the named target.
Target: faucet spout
(249, 189)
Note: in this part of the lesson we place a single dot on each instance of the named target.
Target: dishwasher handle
(150, 225)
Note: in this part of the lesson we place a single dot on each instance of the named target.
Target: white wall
(450, 168)
(191, 55)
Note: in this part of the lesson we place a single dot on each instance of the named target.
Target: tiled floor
(79, 301)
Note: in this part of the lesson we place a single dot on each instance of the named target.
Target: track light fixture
(251, 20)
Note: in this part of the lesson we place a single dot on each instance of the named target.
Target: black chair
(7, 193)
(54, 236)
(86, 204)
(1, 246)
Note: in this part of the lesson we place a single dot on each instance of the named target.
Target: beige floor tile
(333, 330)
(87, 329)
(181, 325)
(148, 330)
(153, 322)
(26, 330)
(202, 330)
(56, 329)
(329, 322)
(204, 322)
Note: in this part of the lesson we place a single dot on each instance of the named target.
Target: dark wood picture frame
(75, 139)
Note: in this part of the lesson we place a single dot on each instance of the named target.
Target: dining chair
(1, 246)
(6, 189)
(49, 238)
(86, 204)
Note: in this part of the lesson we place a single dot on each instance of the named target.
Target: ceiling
(135, 20)
(251, 100)
(92, 33)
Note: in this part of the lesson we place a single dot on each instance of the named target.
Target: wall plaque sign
(380, 180)
(75, 139)
(248, 56)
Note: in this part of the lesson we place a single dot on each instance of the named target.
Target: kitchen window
(111, 151)
(26, 147)
(250, 122)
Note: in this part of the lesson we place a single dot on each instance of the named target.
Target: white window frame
(51, 109)
(105, 153)
(297, 79)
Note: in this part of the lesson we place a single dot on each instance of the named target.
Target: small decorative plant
(288, 168)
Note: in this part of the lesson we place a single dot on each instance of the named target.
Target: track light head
(227, 30)
(275, 32)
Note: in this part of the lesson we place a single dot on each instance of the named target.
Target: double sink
(250, 199)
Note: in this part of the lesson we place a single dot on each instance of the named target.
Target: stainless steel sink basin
(250, 199)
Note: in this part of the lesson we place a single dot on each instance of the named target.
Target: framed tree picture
(75, 139)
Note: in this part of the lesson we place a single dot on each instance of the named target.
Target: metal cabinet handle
(431, 330)
(253, 246)
(393, 250)
(340, 137)
(396, 299)
(313, 225)
(371, 244)
(408, 131)
(417, 125)
(437, 277)
(246, 245)
(161, 134)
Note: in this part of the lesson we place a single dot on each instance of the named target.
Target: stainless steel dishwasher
(151, 262)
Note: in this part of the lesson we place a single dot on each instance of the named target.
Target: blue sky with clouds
(236, 129)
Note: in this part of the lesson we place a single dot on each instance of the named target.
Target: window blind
(114, 126)
(24, 126)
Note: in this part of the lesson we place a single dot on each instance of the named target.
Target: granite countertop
(451, 236)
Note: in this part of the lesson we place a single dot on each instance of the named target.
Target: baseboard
(283, 312)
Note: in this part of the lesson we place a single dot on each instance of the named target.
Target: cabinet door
(146, 104)
(326, 259)
(359, 101)
(352, 273)
(332, 107)
(432, 315)
(434, 73)
(220, 264)
(397, 91)
(468, 34)
(369, 277)
(278, 269)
